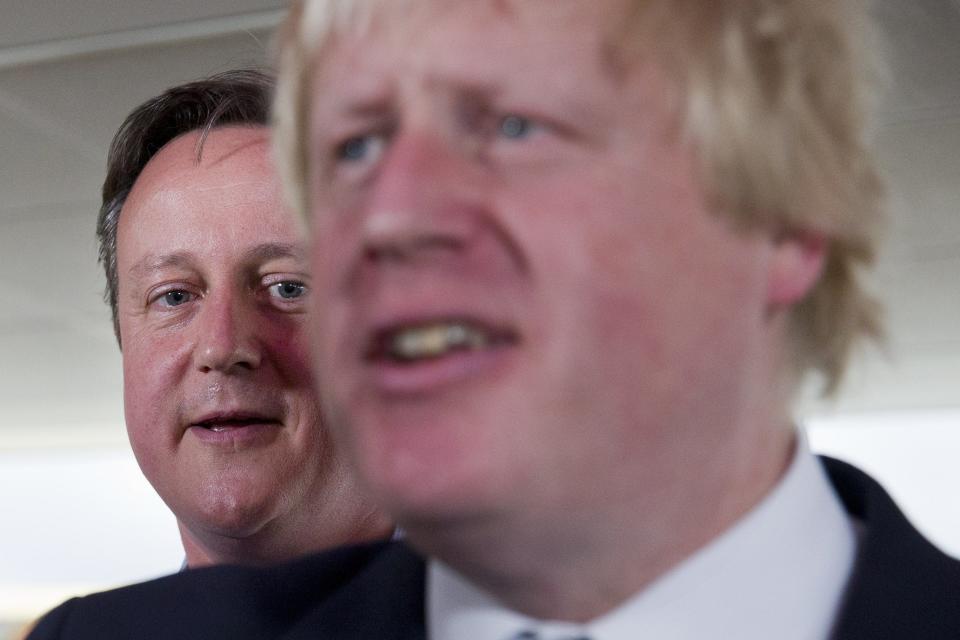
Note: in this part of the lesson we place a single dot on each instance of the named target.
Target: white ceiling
(71, 71)
(28, 23)
(69, 74)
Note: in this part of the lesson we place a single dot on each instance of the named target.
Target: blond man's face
(521, 300)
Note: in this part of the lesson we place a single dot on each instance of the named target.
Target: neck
(560, 565)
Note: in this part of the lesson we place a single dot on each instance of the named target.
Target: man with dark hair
(207, 286)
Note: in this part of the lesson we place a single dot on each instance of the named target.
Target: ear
(796, 264)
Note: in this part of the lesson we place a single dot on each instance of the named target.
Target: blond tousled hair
(774, 96)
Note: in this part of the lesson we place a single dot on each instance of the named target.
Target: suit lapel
(902, 586)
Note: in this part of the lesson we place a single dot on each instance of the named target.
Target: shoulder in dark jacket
(233, 603)
(902, 586)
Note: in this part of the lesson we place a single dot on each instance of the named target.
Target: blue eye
(515, 127)
(287, 290)
(360, 148)
(176, 298)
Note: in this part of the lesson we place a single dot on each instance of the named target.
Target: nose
(226, 338)
(424, 203)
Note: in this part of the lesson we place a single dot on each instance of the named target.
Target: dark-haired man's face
(212, 293)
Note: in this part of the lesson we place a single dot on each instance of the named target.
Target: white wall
(76, 521)
(84, 519)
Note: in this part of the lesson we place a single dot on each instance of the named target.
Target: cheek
(150, 398)
(321, 265)
(151, 377)
(287, 344)
(643, 277)
(155, 366)
(332, 249)
(320, 306)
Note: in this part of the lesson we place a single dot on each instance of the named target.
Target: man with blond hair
(571, 262)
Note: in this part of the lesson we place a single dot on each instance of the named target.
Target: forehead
(229, 166)
(190, 195)
(466, 30)
(195, 158)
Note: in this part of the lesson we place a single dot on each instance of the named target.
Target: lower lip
(252, 434)
(431, 376)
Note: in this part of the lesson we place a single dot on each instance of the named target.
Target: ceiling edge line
(55, 50)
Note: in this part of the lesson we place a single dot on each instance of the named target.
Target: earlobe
(796, 265)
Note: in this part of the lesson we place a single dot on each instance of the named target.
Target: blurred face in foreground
(219, 406)
(524, 304)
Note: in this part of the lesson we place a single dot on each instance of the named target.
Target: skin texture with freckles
(213, 286)
(651, 332)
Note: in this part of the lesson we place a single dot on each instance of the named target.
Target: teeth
(435, 340)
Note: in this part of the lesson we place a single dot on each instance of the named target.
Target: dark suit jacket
(901, 587)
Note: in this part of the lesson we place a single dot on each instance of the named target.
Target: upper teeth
(431, 341)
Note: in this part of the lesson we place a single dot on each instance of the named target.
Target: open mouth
(224, 423)
(218, 427)
(235, 429)
(409, 344)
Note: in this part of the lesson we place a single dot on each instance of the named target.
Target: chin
(427, 492)
(234, 515)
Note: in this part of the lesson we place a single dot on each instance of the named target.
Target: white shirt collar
(779, 572)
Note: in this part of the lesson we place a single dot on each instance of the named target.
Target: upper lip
(420, 305)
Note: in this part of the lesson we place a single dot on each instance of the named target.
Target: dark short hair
(239, 97)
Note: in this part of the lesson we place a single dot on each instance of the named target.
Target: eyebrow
(366, 107)
(274, 250)
(257, 254)
(152, 262)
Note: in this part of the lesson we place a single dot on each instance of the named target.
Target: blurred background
(75, 513)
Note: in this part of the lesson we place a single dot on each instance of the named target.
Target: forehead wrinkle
(230, 185)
